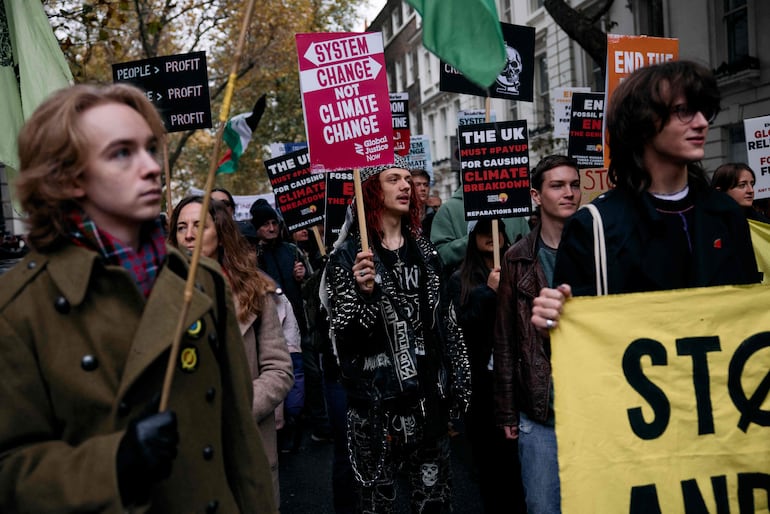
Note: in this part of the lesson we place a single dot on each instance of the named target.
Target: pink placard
(345, 100)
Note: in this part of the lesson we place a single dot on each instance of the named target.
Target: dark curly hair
(641, 107)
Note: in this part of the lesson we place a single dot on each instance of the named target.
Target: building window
(441, 152)
(414, 67)
(397, 21)
(534, 5)
(428, 73)
(432, 128)
(409, 69)
(737, 27)
(506, 11)
(650, 17)
(390, 69)
(514, 111)
(737, 140)
(542, 92)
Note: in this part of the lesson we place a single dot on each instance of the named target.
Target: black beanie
(261, 212)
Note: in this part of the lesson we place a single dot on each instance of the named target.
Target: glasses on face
(687, 114)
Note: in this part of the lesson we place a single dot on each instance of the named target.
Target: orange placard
(628, 53)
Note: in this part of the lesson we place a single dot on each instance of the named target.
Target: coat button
(208, 452)
(31, 265)
(212, 337)
(211, 393)
(89, 363)
(123, 409)
(212, 507)
(62, 305)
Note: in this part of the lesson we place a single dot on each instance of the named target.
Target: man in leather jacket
(522, 356)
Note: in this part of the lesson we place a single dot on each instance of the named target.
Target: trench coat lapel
(158, 323)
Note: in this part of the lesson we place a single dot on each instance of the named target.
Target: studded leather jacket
(375, 342)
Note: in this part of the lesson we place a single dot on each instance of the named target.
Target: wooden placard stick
(319, 240)
(167, 175)
(360, 209)
(495, 231)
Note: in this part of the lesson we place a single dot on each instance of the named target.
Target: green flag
(26, 39)
(466, 34)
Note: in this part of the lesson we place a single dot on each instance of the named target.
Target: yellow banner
(760, 238)
(661, 401)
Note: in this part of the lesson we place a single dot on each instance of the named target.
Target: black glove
(145, 455)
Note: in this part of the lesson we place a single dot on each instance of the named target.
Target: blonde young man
(86, 323)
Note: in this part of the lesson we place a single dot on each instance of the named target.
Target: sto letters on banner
(661, 401)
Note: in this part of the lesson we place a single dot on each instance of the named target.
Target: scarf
(143, 264)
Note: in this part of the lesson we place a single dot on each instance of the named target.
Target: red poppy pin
(717, 243)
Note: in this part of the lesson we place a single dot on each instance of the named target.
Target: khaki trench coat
(82, 353)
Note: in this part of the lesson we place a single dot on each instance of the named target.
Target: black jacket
(367, 330)
(637, 252)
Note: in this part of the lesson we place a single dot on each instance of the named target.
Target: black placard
(339, 192)
(299, 194)
(494, 158)
(515, 81)
(399, 112)
(586, 127)
(176, 84)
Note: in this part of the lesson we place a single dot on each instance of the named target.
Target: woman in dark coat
(472, 291)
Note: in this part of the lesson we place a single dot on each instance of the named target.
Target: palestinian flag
(237, 135)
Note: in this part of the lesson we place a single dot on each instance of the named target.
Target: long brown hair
(473, 269)
(373, 201)
(54, 151)
(235, 255)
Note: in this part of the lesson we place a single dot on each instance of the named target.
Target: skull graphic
(429, 472)
(508, 80)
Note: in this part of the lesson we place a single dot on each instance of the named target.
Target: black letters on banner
(644, 498)
(652, 393)
(698, 347)
(749, 407)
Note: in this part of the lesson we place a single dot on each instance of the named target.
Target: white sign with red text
(345, 100)
(758, 148)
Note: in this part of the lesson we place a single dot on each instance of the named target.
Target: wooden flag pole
(495, 231)
(190, 284)
(167, 175)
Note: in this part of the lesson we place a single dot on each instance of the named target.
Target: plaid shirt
(143, 264)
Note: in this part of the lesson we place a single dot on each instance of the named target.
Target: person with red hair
(395, 364)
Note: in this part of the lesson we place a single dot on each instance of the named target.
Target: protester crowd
(376, 349)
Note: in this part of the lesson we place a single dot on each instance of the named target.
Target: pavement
(305, 479)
